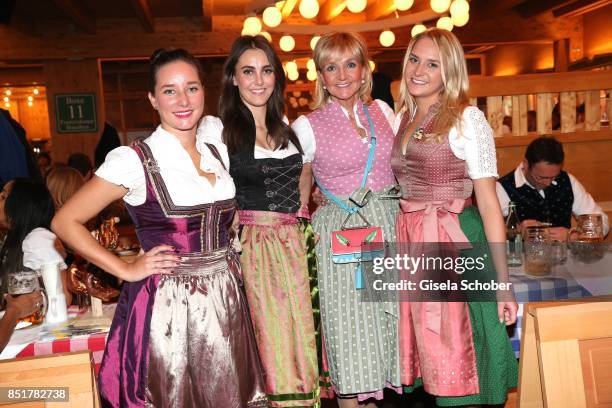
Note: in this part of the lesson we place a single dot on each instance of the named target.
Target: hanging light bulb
(30, 98)
(252, 26)
(460, 20)
(266, 35)
(272, 16)
(6, 99)
(403, 5)
(386, 38)
(7, 104)
(35, 91)
(30, 103)
(356, 6)
(291, 66)
(372, 65)
(311, 75)
(313, 41)
(293, 75)
(459, 8)
(445, 23)
(310, 65)
(309, 8)
(418, 29)
(286, 43)
(8, 92)
(439, 6)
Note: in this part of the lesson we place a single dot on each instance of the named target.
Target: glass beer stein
(590, 228)
(22, 283)
(537, 251)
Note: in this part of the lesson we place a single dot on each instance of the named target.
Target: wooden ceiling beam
(143, 12)
(382, 8)
(330, 10)
(580, 7)
(78, 14)
(531, 8)
(207, 15)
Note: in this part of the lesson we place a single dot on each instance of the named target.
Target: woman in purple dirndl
(181, 335)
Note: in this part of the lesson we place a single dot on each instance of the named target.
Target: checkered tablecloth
(532, 289)
(42, 340)
(94, 343)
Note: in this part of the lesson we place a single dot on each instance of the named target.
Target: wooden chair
(72, 370)
(566, 354)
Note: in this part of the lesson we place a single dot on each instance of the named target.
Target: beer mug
(22, 283)
(536, 250)
(590, 228)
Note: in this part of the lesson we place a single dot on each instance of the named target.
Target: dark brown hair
(161, 57)
(238, 122)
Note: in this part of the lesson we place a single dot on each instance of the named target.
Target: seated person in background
(82, 163)
(26, 210)
(543, 192)
(62, 183)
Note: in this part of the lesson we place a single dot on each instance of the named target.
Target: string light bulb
(291, 66)
(293, 75)
(418, 29)
(309, 8)
(372, 65)
(252, 26)
(445, 23)
(403, 5)
(313, 41)
(356, 6)
(311, 75)
(386, 38)
(310, 65)
(266, 35)
(439, 6)
(35, 91)
(272, 16)
(286, 43)
(460, 20)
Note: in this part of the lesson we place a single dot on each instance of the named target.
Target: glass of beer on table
(22, 283)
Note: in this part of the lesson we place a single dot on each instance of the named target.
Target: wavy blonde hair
(454, 95)
(62, 183)
(333, 45)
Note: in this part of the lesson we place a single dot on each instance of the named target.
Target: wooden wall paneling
(13, 109)
(568, 112)
(495, 114)
(609, 107)
(592, 110)
(35, 119)
(73, 77)
(519, 115)
(596, 359)
(530, 386)
(561, 373)
(544, 113)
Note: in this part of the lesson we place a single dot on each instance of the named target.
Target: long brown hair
(238, 122)
(454, 94)
(62, 183)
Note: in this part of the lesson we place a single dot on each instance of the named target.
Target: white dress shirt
(41, 247)
(211, 131)
(186, 187)
(583, 201)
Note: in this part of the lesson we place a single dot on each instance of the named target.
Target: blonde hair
(63, 182)
(333, 45)
(454, 94)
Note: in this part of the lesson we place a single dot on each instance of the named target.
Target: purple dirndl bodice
(194, 231)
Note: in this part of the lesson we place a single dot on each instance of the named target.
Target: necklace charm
(418, 133)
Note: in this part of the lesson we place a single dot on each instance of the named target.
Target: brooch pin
(418, 134)
(152, 166)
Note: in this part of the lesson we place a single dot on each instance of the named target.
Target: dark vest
(266, 184)
(555, 207)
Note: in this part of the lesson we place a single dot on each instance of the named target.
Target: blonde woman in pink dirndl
(443, 151)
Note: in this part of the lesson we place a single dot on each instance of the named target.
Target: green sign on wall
(76, 113)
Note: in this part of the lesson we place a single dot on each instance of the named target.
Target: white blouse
(41, 247)
(186, 187)
(303, 129)
(472, 142)
(211, 129)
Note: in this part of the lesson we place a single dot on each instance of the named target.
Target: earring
(363, 81)
(324, 87)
